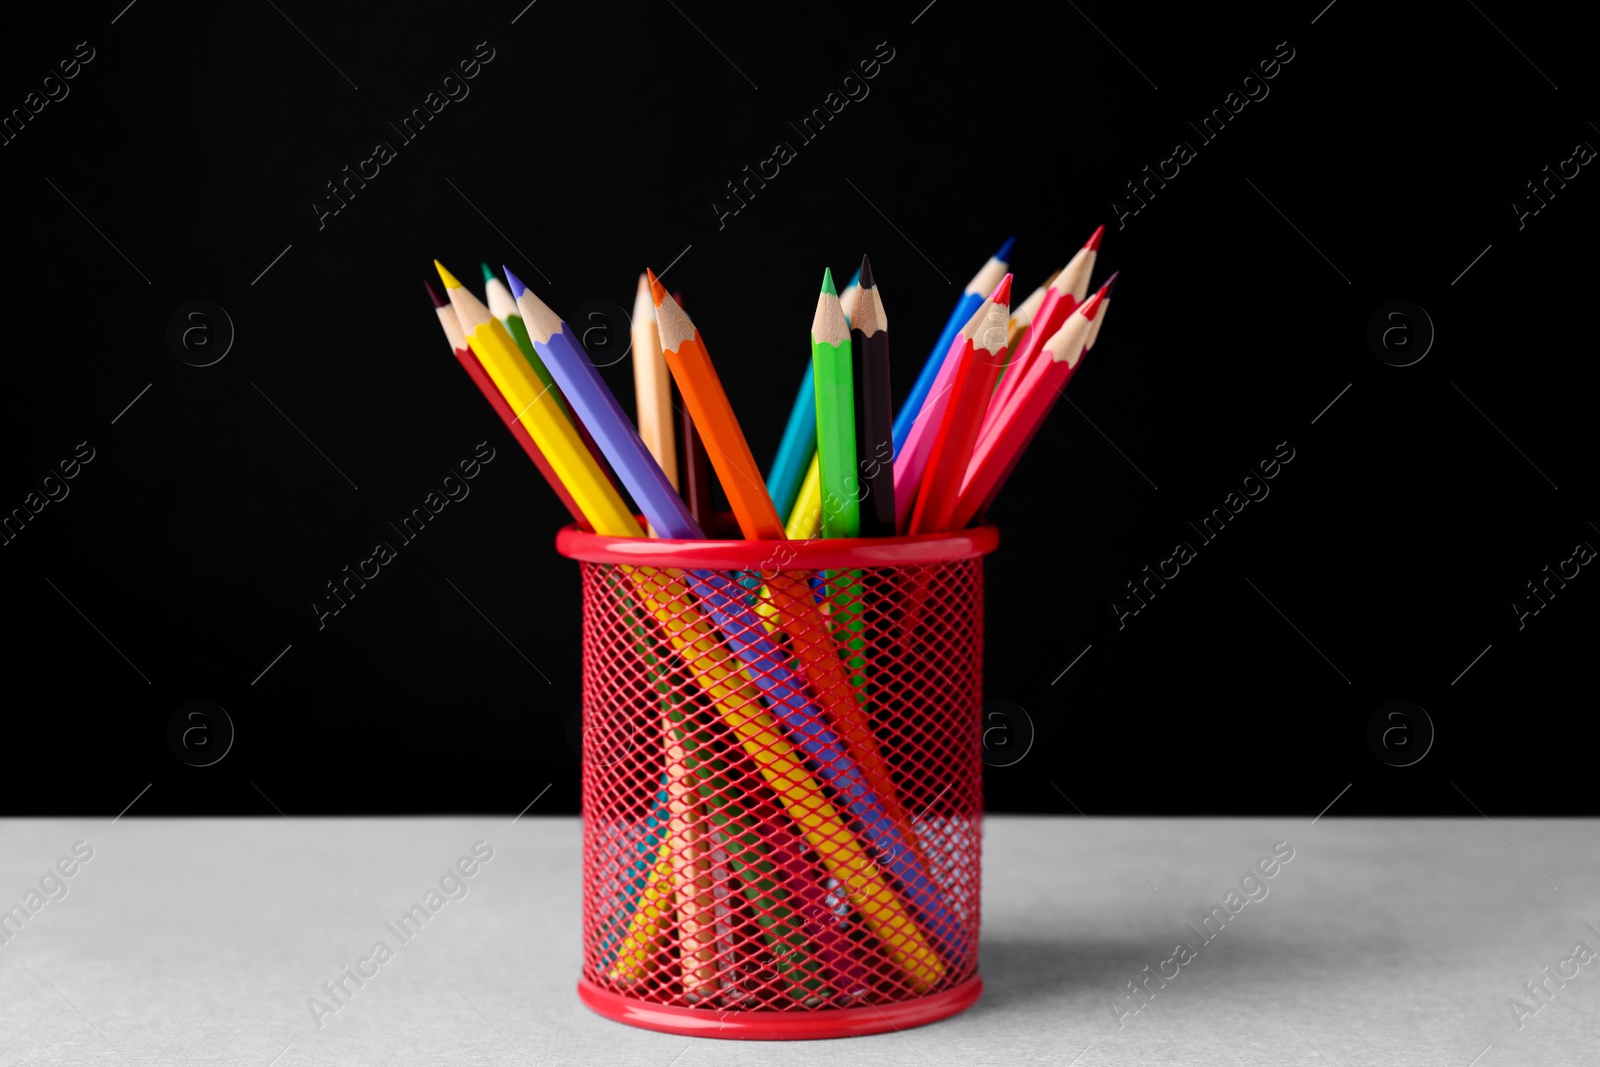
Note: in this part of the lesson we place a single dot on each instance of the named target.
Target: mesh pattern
(782, 786)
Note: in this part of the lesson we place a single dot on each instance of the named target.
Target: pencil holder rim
(781, 1025)
(821, 553)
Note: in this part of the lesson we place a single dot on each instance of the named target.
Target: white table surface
(1382, 942)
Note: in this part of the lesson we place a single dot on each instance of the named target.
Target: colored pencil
(911, 458)
(805, 518)
(687, 849)
(503, 306)
(834, 382)
(849, 294)
(738, 702)
(796, 448)
(1064, 293)
(869, 349)
(983, 282)
(1022, 318)
(798, 614)
(1015, 427)
(971, 387)
(597, 406)
(652, 385)
(451, 322)
(713, 416)
(744, 635)
(666, 512)
(534, 406)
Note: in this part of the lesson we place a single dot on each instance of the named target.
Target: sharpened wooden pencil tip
(517, 288)
(1105, 290)
(658, 292)
(1002, 292)
(1004, 255)
(864, 275)
(446, 277)
(1091, 307)
(827, 282)
(433, 294)
(488, 272)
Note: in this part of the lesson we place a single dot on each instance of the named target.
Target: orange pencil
(797, 611)
(713, 416)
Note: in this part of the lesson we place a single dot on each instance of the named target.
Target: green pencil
(836, 415)
(504, 308)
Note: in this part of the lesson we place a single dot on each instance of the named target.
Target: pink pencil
(913, 458)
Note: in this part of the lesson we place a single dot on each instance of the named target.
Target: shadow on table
(1021, 973)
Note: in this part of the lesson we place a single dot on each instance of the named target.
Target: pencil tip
(827, 282)
(1105, 290)
(1004, 255)
(488, 272)
(855, 279)
(1093, 243)
(864, 275)
(1002, 292)
(433, 294)
(446, 277)
(1091, 307)
(658, 292)
(517, 288)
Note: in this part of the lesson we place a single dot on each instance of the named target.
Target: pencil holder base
(780, 1025)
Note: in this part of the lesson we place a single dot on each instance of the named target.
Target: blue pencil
(825, 752)
(799, 444)
(981, 285)
(597, 407)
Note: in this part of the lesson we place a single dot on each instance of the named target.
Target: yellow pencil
(738, 702)
(535, 406)
(805, 520)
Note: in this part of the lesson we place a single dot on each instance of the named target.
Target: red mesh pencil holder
(782, 781)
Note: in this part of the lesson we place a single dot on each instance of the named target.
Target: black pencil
(869, 342)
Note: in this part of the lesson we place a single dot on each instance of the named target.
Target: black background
(590, 147)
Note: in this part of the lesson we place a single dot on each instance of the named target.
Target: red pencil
(469, 363)
(971, 387)
(1015, 427)
(1061, 296)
